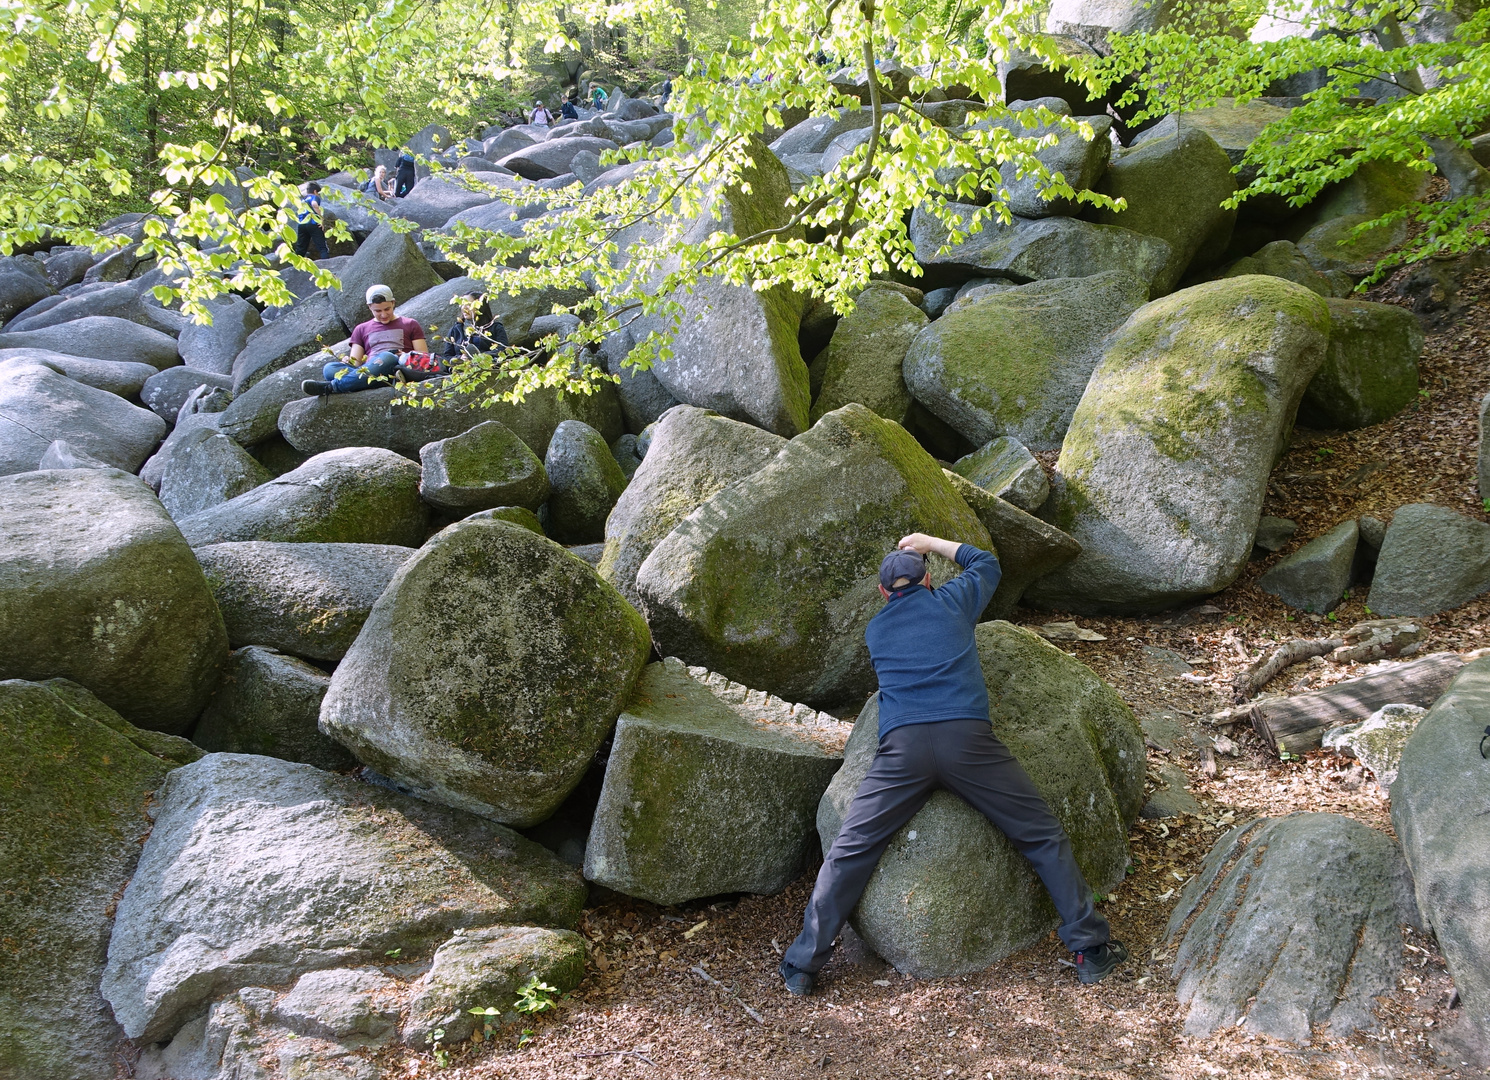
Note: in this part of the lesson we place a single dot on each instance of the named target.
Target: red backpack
(422, 365)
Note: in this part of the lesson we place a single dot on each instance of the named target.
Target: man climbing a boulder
(934, 732)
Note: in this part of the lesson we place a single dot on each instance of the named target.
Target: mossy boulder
(388, 258)
(483, 468)
(710, 788)
(951, 894)
(259, 870)
(772, 581)
(586, 482)
(1370, 370)
(692, 455)
(1163, 470)
(74, 800)
(1015, 362)
(360, 495)
(1334, 243)
(865, 355)
(1027, 548)
(1234, 127)
(1006, 468)
(97, 585)
(489, 672)
(1283, 259)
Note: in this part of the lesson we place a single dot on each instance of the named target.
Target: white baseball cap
(379, 294)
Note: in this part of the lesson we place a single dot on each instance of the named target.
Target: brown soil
(644, 1011)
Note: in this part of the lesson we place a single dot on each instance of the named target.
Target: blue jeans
(347, 378)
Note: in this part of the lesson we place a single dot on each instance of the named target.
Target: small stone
(1377, 742)
(1009, 471)
(1172, 798)
(483, 468)
(1314, 578)
(341, 1002)
(1273, 533)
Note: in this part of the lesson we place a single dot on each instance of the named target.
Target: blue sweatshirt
(921, 644)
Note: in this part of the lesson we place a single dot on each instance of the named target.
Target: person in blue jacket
(934, 733)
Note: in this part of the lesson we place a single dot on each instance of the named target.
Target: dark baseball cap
(902, 564)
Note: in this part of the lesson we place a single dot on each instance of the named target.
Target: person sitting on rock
(475, 329)
(378, 183)
(934, 732)
(569, 110)
(377, 346)
(540, 116)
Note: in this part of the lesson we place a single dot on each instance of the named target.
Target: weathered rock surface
(546, 160)
(643, 398)
(1283, 259)
(252, 417)
(119, 301)
(1016, 362)
(586, 482)
(73, 803)
(483, 468)
(436, 200)
(103, 337)
(305, 599)
(1315, 577)
(952, 894)
(21, 285)
(211, 470)
(1441, 774)
(215, 905)
(360, 495)
(1004, 467)
(1079, 160)
(62, 455)
(1292, 922)
(1432, 559)
(772, 580)
(39, 406)
(270, 704)
(489, 672)
(710, 788)
(1370, 370)
(309, 327)
(813, 135)
(1163, 470)
(1377, 742)
(213, 348)
(115, 376)
(164, 392)
(384, 258)
(866, 353)
(98, 586)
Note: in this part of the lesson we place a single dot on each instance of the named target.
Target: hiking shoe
(317, 387)
(798, 982)
(1094, 965)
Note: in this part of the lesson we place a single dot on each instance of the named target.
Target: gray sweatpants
(966, 758)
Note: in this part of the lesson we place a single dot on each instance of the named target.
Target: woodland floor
(643, 1012)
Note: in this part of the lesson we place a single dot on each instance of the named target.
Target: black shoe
(1094, 965)
(317, 387)
(798, 982)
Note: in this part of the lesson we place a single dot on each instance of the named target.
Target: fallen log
(1246, 685)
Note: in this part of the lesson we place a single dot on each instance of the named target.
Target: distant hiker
(667, 92)
(378, 183)
(405, 178)
(934, 733)
(475, 330)
(568, 110)
(540, 116)
(598, 97)
(378, 347)
(309, 230)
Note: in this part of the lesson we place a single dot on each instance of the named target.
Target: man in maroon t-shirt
(376, 346)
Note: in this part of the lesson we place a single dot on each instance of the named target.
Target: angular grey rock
(213, 348)
(486, 969)
(1370, 370)
(39, 406)
(361, 495)
(68, 847)
(693, 454)
(186, 434)
(866, 353)
(1282, 259)
(951, 894)
(436, 200)
(1003, 467)
(384, 258)
(546, 160)
(1174, 187)
(309, 327)
(1333, 245)
(509, 141)
(214, 906)
(1016, 362)
(1440, 776)
(1315, 577)
(305, 599)
(164, 392)
(433, 308)
(117, 301)
(340, 1003)
(643, 398)
(1291, 922)
(586, 482)
(1036, 250)
(813, 135)
(1377, 742)
(841, 147)
(1027, 548)
(1432, 559)
(1094, 20)
(269, 704)
(1164, 468)
(22, 283)
(740, 587)
(485, 688)
(211, 470)
(66, 265)
(710, 788)
(1172, 798)
(98, 586)
(483, 468)
(115, 376)
(102, 337)
(1079, 160)
(1274, 532)
(62, 455)
(252, 417)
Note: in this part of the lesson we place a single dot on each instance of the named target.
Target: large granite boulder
(103, 337)
(78, 779)
(1292, 922)
(305, 599)
(270, 704)
(436, 200)
(709, 788)
(164, 392)
(1447, 845)
(116, 376)
(1283, 259)
(1370, 370)
(813, 135)
(1027, 548)
(119, 301)
(1016, 362)
(1432, 559)
(252, 417)
(213, 346)
(21, 285)
(773, 579)
(98, 586)
(259, 870)
(866, 353)
(1005, 467)
(643, 398)
(360, 495)
(546, 160)
(483, 468)
(693, 455)
(1080, 161)
(489, 672)
(39, 406)
(586, 482)
(309, 327)
(384, 258)
(952, 894)
(1164, 468)
(210, 470)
